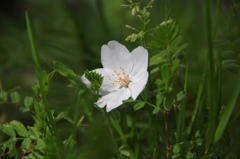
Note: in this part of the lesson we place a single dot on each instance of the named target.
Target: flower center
(121, 79)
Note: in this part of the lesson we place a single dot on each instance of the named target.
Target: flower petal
(119, 96)
(116, 56)
(114, 99)
(140, 60)
(137, 88)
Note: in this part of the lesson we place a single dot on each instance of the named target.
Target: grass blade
(227, 111)
(41, 83)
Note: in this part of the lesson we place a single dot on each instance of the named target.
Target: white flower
(125, 74)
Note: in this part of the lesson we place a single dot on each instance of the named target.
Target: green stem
(167, 132)
(41, 84)
(212, 122)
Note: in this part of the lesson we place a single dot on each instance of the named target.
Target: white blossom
(125, 74)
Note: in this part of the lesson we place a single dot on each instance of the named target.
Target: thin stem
(41, 84)
(167, 132)
(212, 123)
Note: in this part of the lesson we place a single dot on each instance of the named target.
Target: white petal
(137, 88)
(138, 76)
(119, 96)
(115, 55)
(140, 60)
(114, 99)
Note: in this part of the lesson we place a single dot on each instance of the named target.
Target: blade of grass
(213, 111)
(181, 113)
(227, 112)
(41, 83)
(199, 95)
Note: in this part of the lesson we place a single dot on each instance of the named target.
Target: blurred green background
(73, 31)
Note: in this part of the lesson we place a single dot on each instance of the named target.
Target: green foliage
(187, 110)
(95, 79)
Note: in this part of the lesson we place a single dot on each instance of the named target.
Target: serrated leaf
(15, 97)
(139, 105)
(19, 127)
(7, 129)
(156, 110)
(176, 148)
(95, 79)
(181, 95)
(26, 143)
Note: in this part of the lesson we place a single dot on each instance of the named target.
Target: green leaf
(190, 155)
(40, 143)
(156, 69)
(167, 103)
(176, 41)
(3, 96)
(19, 127)
(125, 153)
(176, 148)
(177, 53)
(28, 101)
(199, 142)
(181, 95)
(227, 112)
(165, 74)
(129, 100)
(24, 109)
(95, 79)
(156, 110)
(34, 133)
(15, 97)
(61, 68)
(26, 143)
(230, 64)
(7, 129)
(139, 105)
(158, 58)
(159, 99)
(62, 115)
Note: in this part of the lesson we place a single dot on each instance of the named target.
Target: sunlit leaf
(19, 127)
